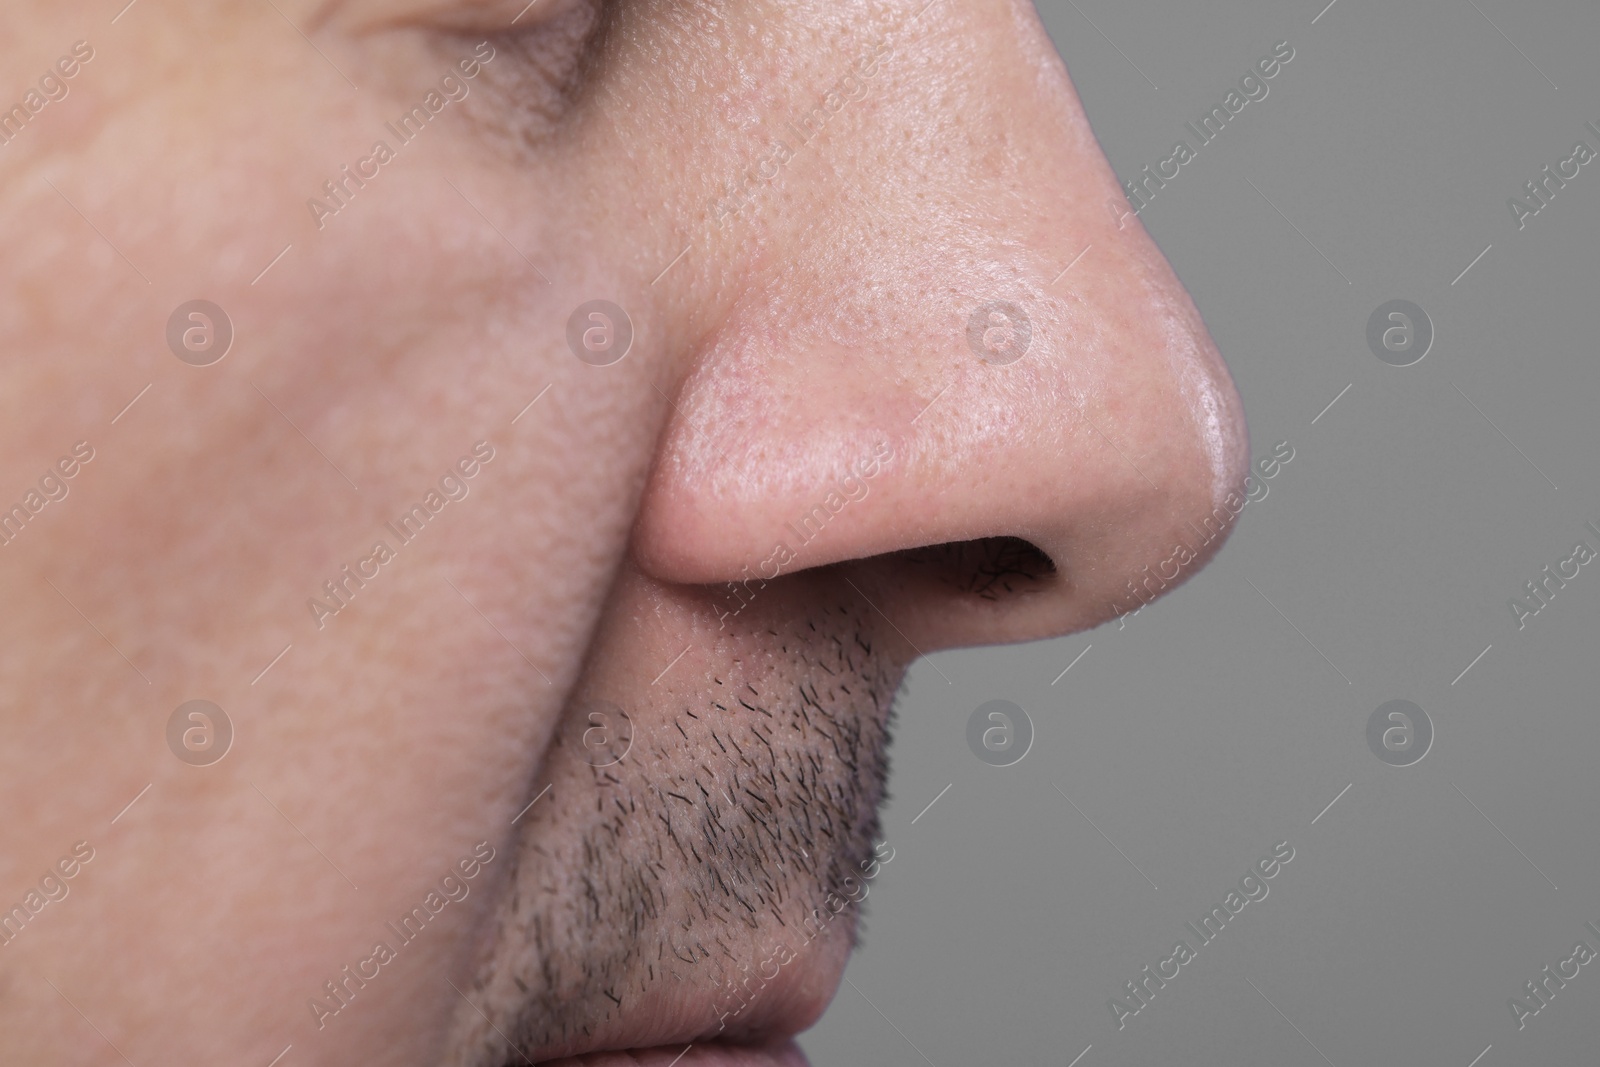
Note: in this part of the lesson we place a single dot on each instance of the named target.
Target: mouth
(750, 1020)
(710, 1054)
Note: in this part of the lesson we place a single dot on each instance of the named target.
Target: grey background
(1211, 728)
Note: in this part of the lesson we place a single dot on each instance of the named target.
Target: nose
(944, 366)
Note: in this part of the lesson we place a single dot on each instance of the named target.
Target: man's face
(558, 683)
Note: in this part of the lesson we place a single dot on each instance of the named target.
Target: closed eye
(541, 66)
(541, 53)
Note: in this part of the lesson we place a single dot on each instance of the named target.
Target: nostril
(988, 567)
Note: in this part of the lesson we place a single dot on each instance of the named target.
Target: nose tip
(1174, 446)
(1167, 437)
(1106, 469)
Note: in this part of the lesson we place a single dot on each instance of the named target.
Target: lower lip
(786, 1055)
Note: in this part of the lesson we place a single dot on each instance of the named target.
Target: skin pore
(795, 310)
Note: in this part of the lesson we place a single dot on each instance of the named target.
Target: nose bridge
(922, 115)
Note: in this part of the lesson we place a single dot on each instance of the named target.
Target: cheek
(398, 337)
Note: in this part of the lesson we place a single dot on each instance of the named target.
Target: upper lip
(674, 1013)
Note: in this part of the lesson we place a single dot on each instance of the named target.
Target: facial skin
(783, 337)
